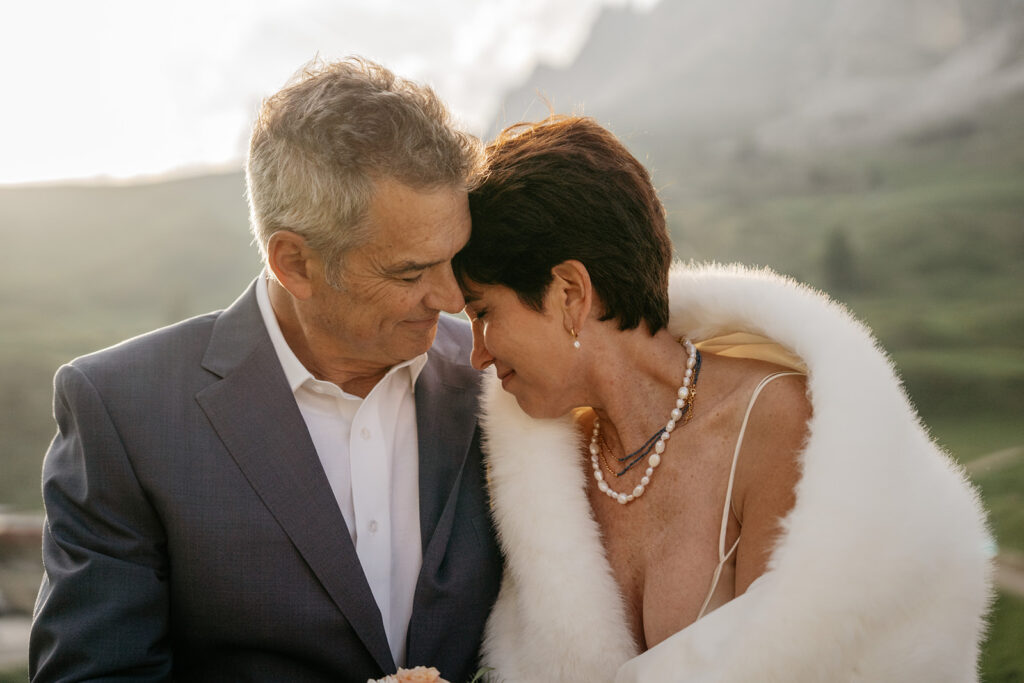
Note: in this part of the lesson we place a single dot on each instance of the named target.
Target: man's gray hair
(321, 142)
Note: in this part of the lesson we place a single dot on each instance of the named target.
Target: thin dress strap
(724, 556)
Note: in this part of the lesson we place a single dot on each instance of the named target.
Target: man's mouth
(424, 323)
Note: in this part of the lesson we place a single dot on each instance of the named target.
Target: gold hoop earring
(575, 339)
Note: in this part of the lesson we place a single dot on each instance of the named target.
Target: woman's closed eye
(474, 311)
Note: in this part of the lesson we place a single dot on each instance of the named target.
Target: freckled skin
(662, 548)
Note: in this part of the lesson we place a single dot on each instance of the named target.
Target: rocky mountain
(785, 75)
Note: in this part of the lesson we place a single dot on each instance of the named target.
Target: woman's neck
(634, 392)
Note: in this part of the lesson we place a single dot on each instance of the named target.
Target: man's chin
(418, 337)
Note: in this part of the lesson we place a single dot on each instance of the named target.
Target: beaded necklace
(682, 412)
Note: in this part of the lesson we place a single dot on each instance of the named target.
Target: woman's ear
(291, 261)
(574, 293)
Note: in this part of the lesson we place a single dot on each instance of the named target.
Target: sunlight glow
(117, 88)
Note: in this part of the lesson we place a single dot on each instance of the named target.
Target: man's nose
(446, 295)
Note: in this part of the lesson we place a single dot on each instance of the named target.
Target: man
(290, 489)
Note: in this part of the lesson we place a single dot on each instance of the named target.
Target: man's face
(393, 287)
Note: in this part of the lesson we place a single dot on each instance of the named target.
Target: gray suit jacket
(192, 534)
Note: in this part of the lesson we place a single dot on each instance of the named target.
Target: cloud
(120, 87)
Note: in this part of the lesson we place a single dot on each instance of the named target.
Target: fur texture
(882, 572)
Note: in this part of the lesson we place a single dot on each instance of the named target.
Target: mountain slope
(786, 74)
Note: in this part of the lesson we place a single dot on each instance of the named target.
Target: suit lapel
(445, 421)
(255, 414)
(445, 417)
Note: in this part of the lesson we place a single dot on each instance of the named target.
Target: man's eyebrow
(408, 266)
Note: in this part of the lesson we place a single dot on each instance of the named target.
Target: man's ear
(573, 293)
(291, 261)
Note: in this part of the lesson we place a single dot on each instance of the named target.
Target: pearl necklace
(684, 397)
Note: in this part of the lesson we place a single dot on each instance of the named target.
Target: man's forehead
(401, 220)
(389, 195)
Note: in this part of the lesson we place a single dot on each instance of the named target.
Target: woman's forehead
(472, 290)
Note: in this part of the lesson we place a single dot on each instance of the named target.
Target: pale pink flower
(421, 674)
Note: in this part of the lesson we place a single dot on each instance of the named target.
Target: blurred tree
(839, 265)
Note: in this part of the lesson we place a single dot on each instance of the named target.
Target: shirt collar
(294, 371)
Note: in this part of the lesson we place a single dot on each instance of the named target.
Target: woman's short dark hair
(566, 188)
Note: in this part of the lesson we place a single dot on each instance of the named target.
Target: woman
(704, 475)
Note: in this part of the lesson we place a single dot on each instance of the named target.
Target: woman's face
(530, 350)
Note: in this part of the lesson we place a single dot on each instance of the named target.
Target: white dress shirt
(370, 453)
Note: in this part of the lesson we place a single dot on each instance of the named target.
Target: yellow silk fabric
(753, 346)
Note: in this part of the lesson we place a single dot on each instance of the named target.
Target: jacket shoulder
(149, 353)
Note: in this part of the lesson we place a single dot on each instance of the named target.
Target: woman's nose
(480, 357)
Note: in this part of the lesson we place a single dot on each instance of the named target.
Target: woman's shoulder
(768, 409)
(760, 388)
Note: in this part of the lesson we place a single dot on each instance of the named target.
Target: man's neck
(354, 377)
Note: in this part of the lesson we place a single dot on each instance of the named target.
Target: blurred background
(873, 148)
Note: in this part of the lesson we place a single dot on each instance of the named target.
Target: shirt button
(372, 526)
(365, 433)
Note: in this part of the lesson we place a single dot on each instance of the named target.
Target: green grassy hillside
(85, 267)
(923, 239)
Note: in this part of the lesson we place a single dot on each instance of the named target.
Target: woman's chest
(664, 549)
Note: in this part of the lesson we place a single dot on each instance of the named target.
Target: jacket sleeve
(103, 606)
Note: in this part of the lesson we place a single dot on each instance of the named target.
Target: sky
(118, 89)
